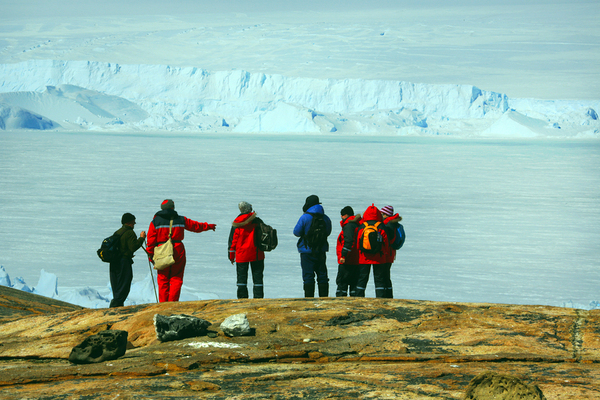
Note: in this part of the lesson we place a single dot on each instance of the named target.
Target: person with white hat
(244, 252)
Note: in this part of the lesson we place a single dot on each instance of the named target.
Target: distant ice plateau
(99, 96)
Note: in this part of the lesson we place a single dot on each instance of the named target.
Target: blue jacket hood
(316, 209)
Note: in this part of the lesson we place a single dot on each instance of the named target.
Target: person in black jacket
(121, 271)
(347, 253)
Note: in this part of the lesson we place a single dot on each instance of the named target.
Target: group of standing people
(364, 241)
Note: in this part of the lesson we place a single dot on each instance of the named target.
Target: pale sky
(86, 8)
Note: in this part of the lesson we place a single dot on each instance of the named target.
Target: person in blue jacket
(312, 246)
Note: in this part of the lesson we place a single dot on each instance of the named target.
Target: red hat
(167, 204)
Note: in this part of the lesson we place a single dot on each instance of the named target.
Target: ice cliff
(82, 95)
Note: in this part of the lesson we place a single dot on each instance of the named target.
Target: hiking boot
(323, 289)
(309, 290)
(242, 292)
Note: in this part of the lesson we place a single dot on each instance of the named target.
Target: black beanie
(347, 211)
(311, 200)
(127, 218)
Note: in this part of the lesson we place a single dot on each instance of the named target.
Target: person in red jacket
(243, 251)
(170, 279)
(382, 276)
(377, 255)
(347, 253)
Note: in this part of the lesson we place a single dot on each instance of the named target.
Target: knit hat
(347, 211)
(165, 205)
(127, 218)
(311, 200)
(387, 210)
(245, 207)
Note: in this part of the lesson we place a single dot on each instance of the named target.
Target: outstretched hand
(212, 227)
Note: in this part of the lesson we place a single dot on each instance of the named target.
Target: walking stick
(151, 274)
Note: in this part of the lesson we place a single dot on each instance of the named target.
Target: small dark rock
(179, 326)
(104, 346)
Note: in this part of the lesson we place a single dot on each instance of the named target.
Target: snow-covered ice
(506, 221)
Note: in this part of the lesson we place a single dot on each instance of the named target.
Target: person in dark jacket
(347, 253)
(313, 261)
(382, 272)
(372, 216)
(121, 271)
(170, 279)
(243, 251)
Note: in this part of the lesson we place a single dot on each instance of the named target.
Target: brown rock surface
(307, 348)
(16, 303)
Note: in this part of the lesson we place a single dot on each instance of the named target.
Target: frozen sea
(502, 221)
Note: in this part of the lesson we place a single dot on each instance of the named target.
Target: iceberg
(100, 96)
(47, 285)
(144, 292)
(4, 278)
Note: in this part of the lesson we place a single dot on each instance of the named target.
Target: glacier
(101, 96)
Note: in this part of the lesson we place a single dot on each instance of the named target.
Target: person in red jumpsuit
(170, 279)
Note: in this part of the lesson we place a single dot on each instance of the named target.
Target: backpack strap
(368, 223)
(170, 229)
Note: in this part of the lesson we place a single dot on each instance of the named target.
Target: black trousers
(364, 270)
(347, 278)
(121, 275)
(383, 280)
(257, 268)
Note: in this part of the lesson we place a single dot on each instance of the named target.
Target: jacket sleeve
(233, 238)
(195, 226)
(348, 232)
(133, 242)
(299, 229)
(386, 242)
(390, 230)
(151, 240)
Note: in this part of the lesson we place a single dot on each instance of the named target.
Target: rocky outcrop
(17, 303)
(308, 348)
(104, 346)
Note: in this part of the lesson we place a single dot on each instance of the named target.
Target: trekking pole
(151, 273)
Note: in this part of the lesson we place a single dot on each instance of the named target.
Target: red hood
(372, 214)
(355, 218)
(393, 218)
(244, 219)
